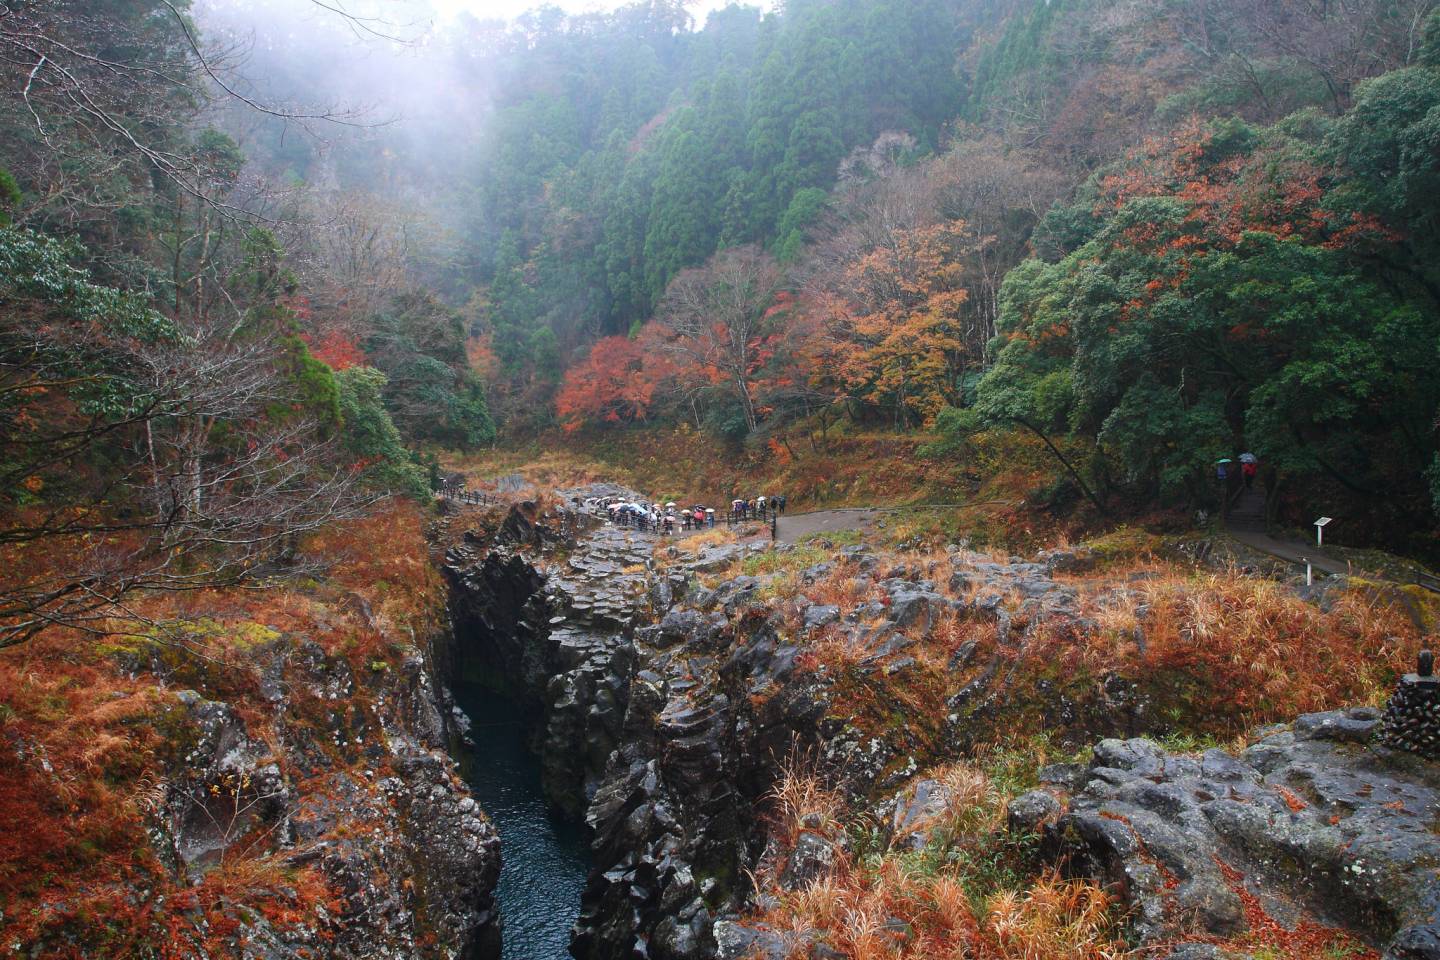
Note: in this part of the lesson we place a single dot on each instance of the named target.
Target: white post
(1319, 536)
(1309, 575)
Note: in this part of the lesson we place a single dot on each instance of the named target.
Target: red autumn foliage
(336, 349)
(616, 383)
(1264, 188)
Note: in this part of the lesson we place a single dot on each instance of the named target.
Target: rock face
(558, 642)
(669, 703)
(667, 710)
(1311, 818)
(355, 780)
(636, 704)
(1412, 720)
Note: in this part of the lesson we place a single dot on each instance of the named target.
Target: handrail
(473, 497)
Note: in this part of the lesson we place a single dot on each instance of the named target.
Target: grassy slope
(87, 744)
(1223, 653)
(1004, 476)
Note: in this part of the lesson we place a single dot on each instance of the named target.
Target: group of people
(759, 508)
(672, 518)
(1249, 468)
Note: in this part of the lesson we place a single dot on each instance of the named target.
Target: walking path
(796, 526)
(801, 525)
(1246, 523)
(1292, 552)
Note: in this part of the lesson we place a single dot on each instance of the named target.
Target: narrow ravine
(545, 858)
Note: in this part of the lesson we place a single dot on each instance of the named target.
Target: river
(545, 858)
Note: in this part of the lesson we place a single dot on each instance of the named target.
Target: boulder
(737, 941)
(812, 858)
(916, 810)
(1334, 827)
(820, 616)
(1030, 812)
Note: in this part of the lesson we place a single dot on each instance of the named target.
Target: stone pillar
(1412, 721)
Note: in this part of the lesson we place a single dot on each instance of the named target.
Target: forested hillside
(1154, 234)
(345, 346)
(1146, 235)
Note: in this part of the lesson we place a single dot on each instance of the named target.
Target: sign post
(1320, 526)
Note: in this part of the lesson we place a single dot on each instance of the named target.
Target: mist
(416, 77)
(401, 80)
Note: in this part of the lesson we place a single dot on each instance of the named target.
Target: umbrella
(1248, 458)
(670, 505)
(1225, 460)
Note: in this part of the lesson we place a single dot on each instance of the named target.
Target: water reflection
(545, 858)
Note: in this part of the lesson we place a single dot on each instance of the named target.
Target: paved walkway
(801, 525)
(1292, 551)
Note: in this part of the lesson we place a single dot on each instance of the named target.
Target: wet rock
(915, 609)
(1064, 776)
(817, 573)
(1353, 726)
(813, 858)
(1080, 560)
(917, 809)
(735, 941)
(1416, 943)
(1333, 827)
(1029, 812)
(1201, 951)
(1138, 756)
(821, 615)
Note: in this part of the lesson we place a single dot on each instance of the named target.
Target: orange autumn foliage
(616, 383)
(93, 732)
(336, 349)
(897, 324)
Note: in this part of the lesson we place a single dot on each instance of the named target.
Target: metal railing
(477, 498)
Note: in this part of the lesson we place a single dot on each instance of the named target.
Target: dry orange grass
(893, 914)
(898, 907)
(85, 743)
(802, 801)
(1242, 650)
(1218, 652)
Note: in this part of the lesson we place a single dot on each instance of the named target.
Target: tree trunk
(1065, 462)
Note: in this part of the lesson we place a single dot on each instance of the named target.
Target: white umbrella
(670, 505)
(1248, 458)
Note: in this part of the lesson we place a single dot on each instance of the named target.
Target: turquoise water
(545, 858)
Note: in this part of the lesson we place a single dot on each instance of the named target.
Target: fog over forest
(691, 480)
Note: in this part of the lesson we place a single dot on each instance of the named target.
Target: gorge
(389, 390)
(675, 704)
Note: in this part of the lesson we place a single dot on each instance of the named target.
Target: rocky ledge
(352, 777)
(672, 695)
(1313, 820)
(667, 709)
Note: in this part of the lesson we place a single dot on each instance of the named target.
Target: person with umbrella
(1249, 467)
(1222, 469)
